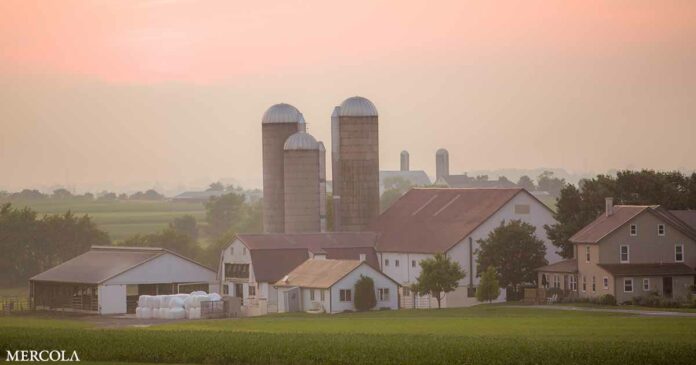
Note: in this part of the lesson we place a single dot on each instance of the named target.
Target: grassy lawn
(121, 219)
(487, 334)
(629, 307)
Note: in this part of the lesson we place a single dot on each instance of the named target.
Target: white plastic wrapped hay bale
(194, 313)
(199, 292)
(145, 313)
(177, 313)
(154, 302)
(176, 302)
(137, 312)
(164, 313)
(143, 301)
(214, 297)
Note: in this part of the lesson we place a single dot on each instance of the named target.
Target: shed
(109, 279)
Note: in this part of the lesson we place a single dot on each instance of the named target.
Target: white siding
(167, 268)
(405, 273)
(349, 281)
(112, 299)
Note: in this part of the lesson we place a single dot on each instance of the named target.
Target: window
(594, 284)
(225, 289)
(311, 294)
(413, 263)
(407, 292)
(544, 280)
(605, 280)
(646, 284)
(396, 263)
(383, 294)
(628, 285)
(624, 254)
(321, 295)
(679, 253)
(386, 262)
(252, 290)
(634, 229)
(584, 283)
(521, 208)
(556, 281)
(344, 295)
(660, 229)
(237, 271)
(587, 253)
(573, 283)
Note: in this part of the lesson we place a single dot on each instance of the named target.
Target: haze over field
(171, 92)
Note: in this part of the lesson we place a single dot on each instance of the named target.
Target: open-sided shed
(109, 279)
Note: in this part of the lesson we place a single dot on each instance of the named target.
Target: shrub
(365, 294)
(488, 289)
(607, 299)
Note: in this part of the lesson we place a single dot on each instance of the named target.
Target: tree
(394, 188)
(553, 185)
(216, 186)
(488, 289)
(526, 183)
(148, 195)
(364, 294)
(168, 238)
(514, 252)
(187, 225)
(61, 194)
(439, 275)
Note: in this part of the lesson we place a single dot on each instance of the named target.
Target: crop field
(121, 219)
(487, 334)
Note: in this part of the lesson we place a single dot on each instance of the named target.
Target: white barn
(109, 279)
(425, 221)
(325, 285)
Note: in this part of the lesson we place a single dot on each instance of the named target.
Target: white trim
(625, 280)
(682, 252)
(605, 281)
(646, 281)
(664, 229)
(630, 229)
(628, 254)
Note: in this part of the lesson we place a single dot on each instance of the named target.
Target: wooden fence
(9, 305)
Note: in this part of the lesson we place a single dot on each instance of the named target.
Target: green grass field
(487, 334)
(121, 219)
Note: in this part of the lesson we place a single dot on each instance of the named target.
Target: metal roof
(357, 106)
(301, 141)
(282, 113)
(319, 273)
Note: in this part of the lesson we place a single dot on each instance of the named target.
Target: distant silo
(279, 122)
(404, 161)
(303, 183)
(355, 135)
(322, 186)
(441, 163)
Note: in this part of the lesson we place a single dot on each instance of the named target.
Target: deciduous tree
(439, 275)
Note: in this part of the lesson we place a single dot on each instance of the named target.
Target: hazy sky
(170, 93)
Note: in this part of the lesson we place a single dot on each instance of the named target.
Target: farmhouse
(425, 221)
(109, 279)
(325, 285)
(252, 263)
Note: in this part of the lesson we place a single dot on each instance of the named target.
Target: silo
(279, 122)
(404, 161)
(441, 163)
(322, 186)
(303, 183)
(355, 133)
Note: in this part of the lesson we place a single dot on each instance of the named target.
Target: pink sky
(177, 87)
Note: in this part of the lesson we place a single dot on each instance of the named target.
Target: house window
(396, 263)
(587, 253)
(646, 284)
(383, 294)
(624, 254)
(679, 253)
(660, 229)
(584, 283)
(594, 284)
(544, 280)
(573, 283)
(386, 262)
(634, 229)
(345, 295)
(237, 271)
(407, 292)
(628, 285)
(605, 280)
(311, 294)
(252, 290)
(321, 295)
(225, 289)
(556, 281)
(521, 208)
(413, 263)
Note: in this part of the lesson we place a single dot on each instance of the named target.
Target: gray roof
(282, 113)
(198, 195)
(465, 181)
(301, 141)
(415, 177)
(102, 263)
(357, 106)
(565, 266)
(686, 216)
(666, 269)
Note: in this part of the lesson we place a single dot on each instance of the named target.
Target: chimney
(363, 257)
(609, 206)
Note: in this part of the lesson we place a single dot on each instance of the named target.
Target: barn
(109, 279)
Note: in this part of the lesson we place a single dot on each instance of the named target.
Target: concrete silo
(355, 153)
(304, 180)
(405, 161)
(279, 122)
(441, 164)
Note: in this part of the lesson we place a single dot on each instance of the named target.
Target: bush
(365, 294)
(607, 299)
(653, 299)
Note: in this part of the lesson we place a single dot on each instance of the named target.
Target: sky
(129, 94)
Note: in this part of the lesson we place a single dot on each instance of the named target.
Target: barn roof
(102, 263)
(319, 273)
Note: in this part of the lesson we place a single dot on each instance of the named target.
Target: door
(239, 290)
(291, 297)
(667, 287)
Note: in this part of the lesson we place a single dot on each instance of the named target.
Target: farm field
(122, 218)
(486, 334)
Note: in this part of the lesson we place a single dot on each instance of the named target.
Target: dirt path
(639, 312)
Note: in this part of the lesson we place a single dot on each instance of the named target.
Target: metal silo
(441, 163)
(404, 161)
(303, 183)
(355, 134)
(279, 122)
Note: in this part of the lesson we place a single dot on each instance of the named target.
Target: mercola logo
(41, 355)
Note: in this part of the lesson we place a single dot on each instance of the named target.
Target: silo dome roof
(282, 113)
(357, 106)
(301, 141)
(442, 151)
